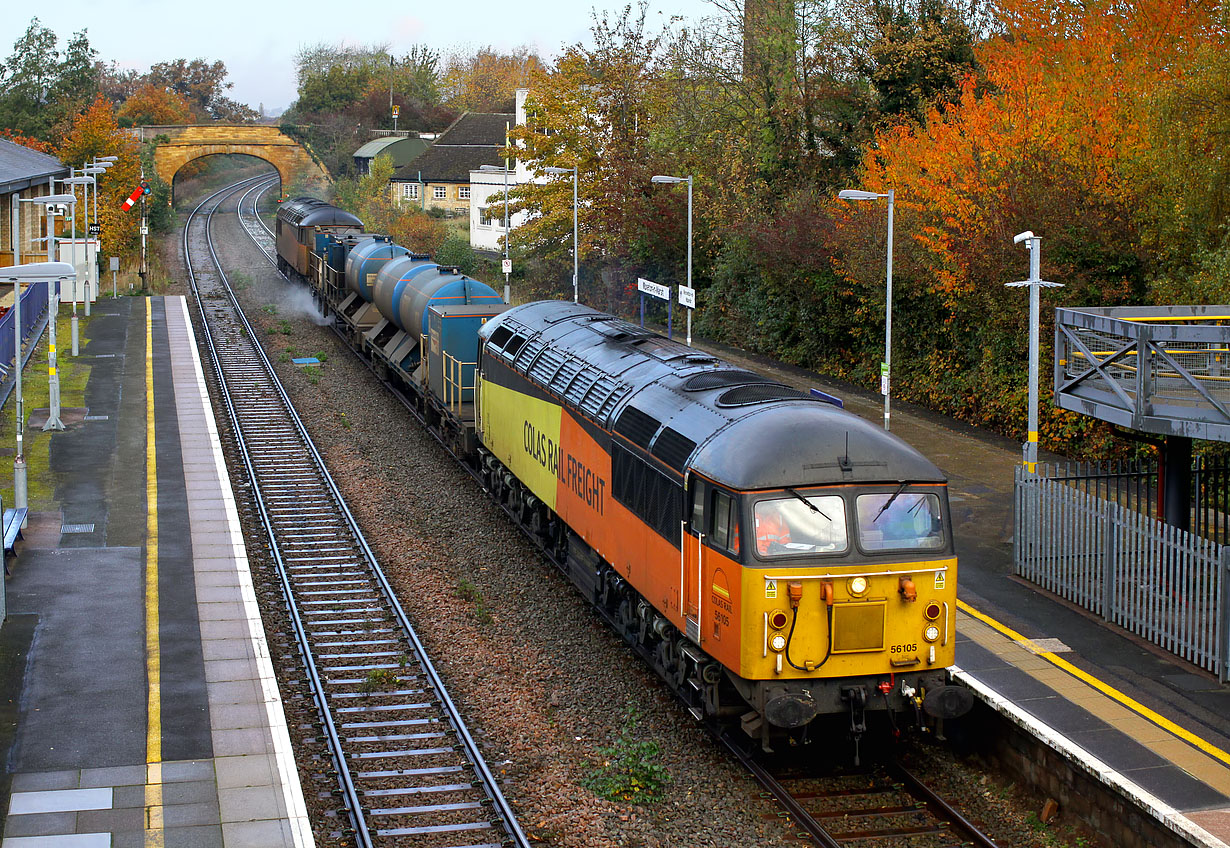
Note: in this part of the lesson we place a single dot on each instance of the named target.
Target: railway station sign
(95, 230)
(506, 265)
(653, 289)
(687, 296)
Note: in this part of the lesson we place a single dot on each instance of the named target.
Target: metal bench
(13, 521)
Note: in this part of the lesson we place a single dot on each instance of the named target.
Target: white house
(487, 192)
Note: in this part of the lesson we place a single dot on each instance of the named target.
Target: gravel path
(546, 684)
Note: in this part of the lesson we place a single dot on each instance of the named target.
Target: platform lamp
(507, 266)
(573, 171)
(886, 366)
(1035, 282)
(35, 272)
(53, 304)
(93, 169)
(75, 180)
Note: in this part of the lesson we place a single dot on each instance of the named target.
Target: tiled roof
(21, 167)
(473, 139)
(447, 164)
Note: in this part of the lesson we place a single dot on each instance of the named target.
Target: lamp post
(688, 179)
(87, 182)
(1034, 245)
(34, 272)
(886, 366)
(507, 264)
(573, 171)
(97, 166)
(53, 306)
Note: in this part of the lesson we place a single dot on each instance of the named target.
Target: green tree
(29, 76)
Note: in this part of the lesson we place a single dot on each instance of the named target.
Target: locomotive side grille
(543, 369)
(858, 627)
(567, 374)
(529, 350)
(639, 427)
(673, 448)
(580, 386)
(759, 393)
(720, 379)
(601, 398)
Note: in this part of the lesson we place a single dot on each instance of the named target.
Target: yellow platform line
(1105, 688)
(154, 833)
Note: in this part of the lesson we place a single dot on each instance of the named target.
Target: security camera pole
(1035, 282)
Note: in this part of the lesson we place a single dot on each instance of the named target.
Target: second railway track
(409, 772)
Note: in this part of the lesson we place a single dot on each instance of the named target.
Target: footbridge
(179, 145)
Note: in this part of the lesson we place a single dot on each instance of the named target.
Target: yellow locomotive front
(849, 601)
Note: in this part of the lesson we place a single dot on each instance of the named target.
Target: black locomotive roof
(310, 212)
(693, 410)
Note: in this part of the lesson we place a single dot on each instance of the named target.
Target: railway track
(408, 770)
(886, 807)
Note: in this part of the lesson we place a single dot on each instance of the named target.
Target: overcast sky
(258, 40)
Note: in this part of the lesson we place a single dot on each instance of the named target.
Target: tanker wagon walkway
(1117, 710)
(141, 703)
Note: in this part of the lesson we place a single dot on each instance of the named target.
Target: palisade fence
(1089, 536)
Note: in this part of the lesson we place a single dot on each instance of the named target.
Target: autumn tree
(485, 80)
(1048, 140)
(96, 133)
(153, 105)
(203, 85)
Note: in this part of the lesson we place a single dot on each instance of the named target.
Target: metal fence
(33, 313)
(1134, 484)
(1156, 581)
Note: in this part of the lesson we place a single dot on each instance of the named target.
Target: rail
(392, 731)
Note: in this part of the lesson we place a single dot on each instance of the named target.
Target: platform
(146, 709)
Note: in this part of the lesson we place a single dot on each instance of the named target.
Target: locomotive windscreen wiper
(890, 500)
(810, 505)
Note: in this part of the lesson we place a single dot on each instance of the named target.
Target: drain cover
(76, 528)
(96, 418)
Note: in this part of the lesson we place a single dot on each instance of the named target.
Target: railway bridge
(179, 145)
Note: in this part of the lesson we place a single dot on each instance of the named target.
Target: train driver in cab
(772, 531)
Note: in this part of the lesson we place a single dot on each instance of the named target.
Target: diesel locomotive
(774, 557)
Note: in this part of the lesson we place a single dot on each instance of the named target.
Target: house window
(439, 192)
(484, 216)
(410, 191)
(463, 192)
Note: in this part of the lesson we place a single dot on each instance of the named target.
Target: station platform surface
(142, 707)
(1129, 714)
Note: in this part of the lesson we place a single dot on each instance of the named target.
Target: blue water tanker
(365, 261)
(408, 286)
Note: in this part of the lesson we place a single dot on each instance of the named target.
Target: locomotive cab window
(800, 525)
(724, 515)
(900, 521)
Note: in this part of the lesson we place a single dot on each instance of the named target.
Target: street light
(573, 171)
(33, 273)
(93, 169)
(688, 179)
(1034, 245)
(507, 264)
(886, 366)
(53, 305)
(87, 182)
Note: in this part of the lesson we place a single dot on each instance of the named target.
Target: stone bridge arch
(182, 144)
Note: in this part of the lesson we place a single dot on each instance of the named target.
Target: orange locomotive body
(775, 557)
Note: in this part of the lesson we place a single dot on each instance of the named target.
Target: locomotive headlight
(778, 642)
(857, 586)
(931, 633)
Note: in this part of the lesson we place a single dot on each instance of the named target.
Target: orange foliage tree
(96, 133)
(154, 105)
(1046, 140)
